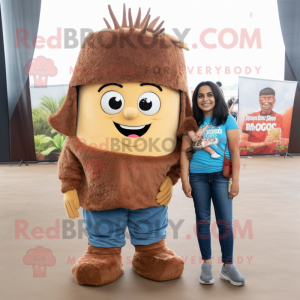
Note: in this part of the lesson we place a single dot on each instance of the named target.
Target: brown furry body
(107, 180)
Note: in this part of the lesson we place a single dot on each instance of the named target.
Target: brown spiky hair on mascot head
(131, 52)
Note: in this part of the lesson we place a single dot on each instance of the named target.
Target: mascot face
(133, 117)
(136, 110)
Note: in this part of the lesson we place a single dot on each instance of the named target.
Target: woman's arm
(186, 143)
(233, 143)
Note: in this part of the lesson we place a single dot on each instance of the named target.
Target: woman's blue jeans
(207, 186)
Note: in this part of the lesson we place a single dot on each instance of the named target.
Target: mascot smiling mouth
(132, 131)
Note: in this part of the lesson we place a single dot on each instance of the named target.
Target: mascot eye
(149, 104)
(112, 102)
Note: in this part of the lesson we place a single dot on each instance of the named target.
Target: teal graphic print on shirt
(202, 162)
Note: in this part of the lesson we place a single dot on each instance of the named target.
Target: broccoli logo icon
(39, 258)
(40, 68)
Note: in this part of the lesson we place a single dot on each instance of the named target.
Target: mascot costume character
(123, 115)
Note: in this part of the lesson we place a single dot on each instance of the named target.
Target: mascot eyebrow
(142, 84)
(105, 85)
(120, 85)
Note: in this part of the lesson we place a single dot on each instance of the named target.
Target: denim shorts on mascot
(123, 115)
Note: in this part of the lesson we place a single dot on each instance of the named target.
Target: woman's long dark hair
(220, 111)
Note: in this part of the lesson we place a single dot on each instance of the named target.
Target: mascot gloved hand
(72, 203)
(122, 116)
(165, 194)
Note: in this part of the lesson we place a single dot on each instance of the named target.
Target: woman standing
(203, 180)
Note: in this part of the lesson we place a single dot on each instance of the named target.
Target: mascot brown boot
(157, 262)
(98, 266)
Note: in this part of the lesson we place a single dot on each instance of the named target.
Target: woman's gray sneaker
(206, 276)
(231, 274)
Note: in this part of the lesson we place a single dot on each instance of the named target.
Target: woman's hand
(196, 136)
(234, 189)
(200, 132)
(186, 187)
(193, 136)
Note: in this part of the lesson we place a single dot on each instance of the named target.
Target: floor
(266, 250)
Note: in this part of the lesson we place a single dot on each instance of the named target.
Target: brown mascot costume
(125, 110)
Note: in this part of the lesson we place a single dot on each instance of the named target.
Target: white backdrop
(230, 15)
